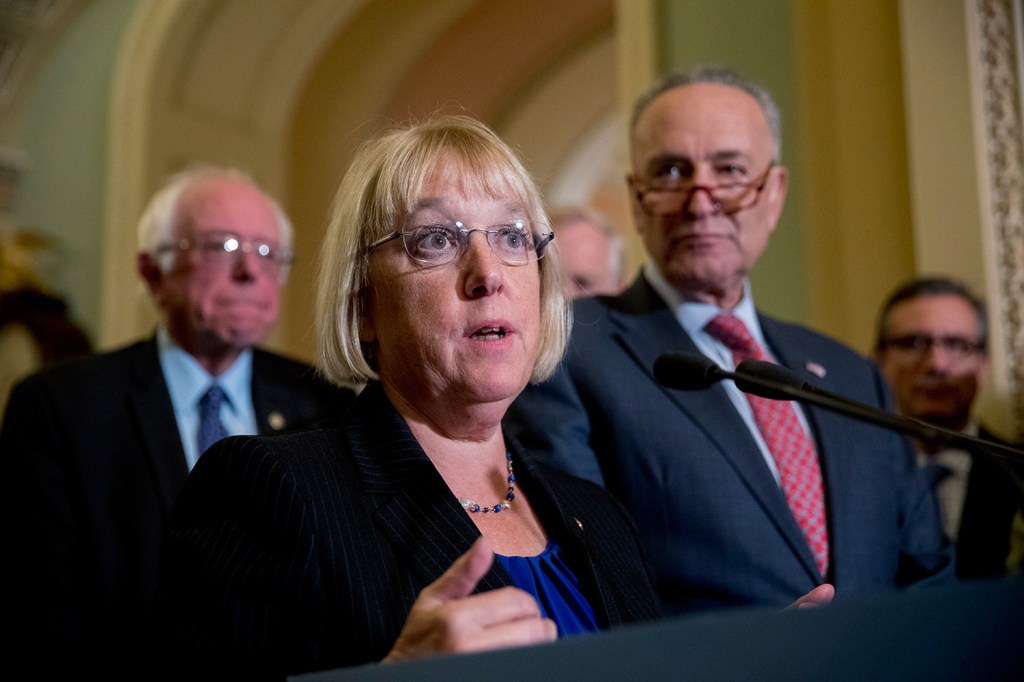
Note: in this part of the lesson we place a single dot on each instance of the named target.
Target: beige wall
(881, 133)
(853, 152)
(962, 61)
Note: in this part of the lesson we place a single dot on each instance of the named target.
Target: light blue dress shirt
(693, 316)
(187, 382)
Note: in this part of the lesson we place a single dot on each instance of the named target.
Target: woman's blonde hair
(376, 196)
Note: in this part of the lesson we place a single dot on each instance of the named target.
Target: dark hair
(721, 76)
(921, 287)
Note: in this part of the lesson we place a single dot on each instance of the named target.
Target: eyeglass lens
(918, 344)
(670, 192)
(225, 249)
(727, 199)
(232, 244)
(438, 243)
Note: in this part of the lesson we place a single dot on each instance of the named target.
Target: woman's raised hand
(447, 618)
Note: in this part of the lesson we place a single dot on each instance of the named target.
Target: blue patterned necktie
(211, 429)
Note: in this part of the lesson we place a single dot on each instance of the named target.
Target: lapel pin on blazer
(815, 369)
(276, 420)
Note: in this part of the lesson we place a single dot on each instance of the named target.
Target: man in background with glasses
(740, 501)
(931, 345)
(95, 452)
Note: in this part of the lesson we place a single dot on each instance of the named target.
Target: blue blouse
(550, 580)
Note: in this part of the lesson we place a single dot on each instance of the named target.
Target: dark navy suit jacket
(305, 551)
(716, 526)
(92, 462)
(994, 495)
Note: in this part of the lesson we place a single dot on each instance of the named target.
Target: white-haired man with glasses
(591, 251)
(931, 345)
(740, 501)
(96, 451)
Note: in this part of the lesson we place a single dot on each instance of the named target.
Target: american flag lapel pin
(815, 369)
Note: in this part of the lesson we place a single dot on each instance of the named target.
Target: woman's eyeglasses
(515, 243)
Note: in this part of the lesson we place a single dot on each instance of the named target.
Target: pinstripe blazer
(306, 551)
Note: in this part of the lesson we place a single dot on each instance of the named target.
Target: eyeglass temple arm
(543, 243)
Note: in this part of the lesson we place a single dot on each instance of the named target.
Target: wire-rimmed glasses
(516, 242)
(223, 249)
(916, 345)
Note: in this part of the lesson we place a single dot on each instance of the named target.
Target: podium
(970, 631)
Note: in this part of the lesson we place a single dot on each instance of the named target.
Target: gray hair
(156, 226)
(721, 76)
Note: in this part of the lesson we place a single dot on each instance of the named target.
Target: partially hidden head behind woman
(412, 524)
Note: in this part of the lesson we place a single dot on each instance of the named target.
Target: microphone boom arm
(751, 382)
(694, 372)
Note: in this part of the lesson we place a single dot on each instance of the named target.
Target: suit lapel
(152, 416)
(416, 511)
(993, 495)
(646, 328)
(264, 394)
(270, 396)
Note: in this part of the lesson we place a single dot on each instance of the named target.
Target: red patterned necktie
(787, 440)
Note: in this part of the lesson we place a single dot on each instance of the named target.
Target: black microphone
(774, 375)
(687, 371)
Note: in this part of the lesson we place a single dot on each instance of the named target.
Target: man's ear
(635, 201)
(775, 190)
(149, 270)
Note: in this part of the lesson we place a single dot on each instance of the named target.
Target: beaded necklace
(472, 507)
